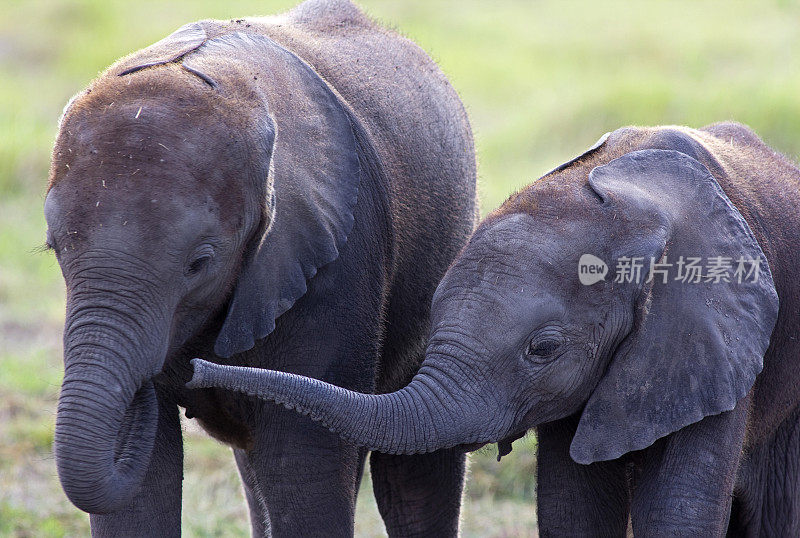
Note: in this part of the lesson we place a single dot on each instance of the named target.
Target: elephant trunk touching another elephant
(414, 420)
(663, 401)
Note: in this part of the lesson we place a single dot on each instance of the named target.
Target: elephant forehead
(115, 215)
(158, 119)
(498, 283)
(158, 143)
(521, 249)
(140, 172)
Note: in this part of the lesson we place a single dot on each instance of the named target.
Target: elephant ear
(694, 349)
(182, 41)
(591, 149)
(314, 171)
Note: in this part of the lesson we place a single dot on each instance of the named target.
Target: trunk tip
(199, 377)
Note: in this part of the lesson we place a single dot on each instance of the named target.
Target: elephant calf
(625, 305)
(281, 192)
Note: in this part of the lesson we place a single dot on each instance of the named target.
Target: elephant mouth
(138, 423)
(503, 445)
(472, 447)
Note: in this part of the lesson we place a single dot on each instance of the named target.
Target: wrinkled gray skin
(673, 405)
(279, 193)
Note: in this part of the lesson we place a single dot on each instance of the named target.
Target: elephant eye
(197, 265)
(543, 348)
(200, 260)
(50, 242)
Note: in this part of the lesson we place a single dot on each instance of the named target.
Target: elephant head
(194, 187)
(517, 339)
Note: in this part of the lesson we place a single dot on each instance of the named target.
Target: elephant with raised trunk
(281, 192)
(661, 394)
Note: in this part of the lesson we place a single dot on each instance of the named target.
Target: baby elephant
(625, 305)
(282, 192)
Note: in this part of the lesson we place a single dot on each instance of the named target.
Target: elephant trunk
(107, 409)
(422, 417)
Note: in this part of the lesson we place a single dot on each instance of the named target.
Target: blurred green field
(541, 81)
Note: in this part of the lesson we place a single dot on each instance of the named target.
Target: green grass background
(541, 80)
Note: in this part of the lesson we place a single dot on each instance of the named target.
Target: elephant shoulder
(733, 132)
(743, 148)
(747, 157)
(347, 48)
(408, 110)
(329, 14)
(318, 22)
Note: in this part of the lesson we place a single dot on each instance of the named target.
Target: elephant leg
(687, 478)
(300, 479)
(573, 499)
(259, 516)
(156, 508)
(767, 499)
(362, 461)
(419, 495)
